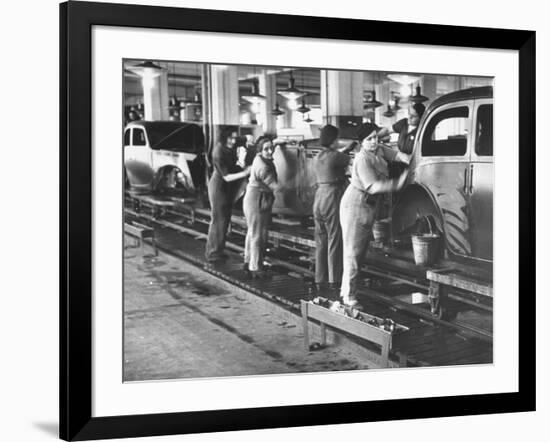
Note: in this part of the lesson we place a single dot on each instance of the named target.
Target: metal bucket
(426, 246)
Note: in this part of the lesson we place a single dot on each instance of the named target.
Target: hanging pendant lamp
(418, 97)
(173, 103)
(255, 96)
(308, 120)
(291, 92)
(277, 111)
(146, 69)
(389, 112)
(396, 106)
(372, 102)
(303, 109)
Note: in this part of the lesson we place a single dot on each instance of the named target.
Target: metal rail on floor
(484, 335)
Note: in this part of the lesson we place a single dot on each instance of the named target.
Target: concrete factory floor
(181, 322)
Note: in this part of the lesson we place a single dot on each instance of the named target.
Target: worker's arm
(348, 148)
(373, 184)
(395, 128)
(226, 169)
(384, 132)
(237, 175)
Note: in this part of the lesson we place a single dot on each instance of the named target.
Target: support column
(155, 97)
(268, 88)
(429, 88)
(225, 95)
(342, 100)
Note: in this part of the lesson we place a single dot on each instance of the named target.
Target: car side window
(127, 137)
(138, 137)
(484, 130)
(447, 133)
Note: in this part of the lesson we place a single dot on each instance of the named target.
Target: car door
(481, 180)
(137, 159)
(443, 168)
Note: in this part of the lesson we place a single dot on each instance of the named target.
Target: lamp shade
(389, 112)
(291, 92)
(254, 96)
(372, 102)
(146, 69)
(277, 111)
(418, 97)
(303, 109)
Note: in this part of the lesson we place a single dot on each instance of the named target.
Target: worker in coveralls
(257, 204)
(331, 182)
(360, 202)
(221, 189)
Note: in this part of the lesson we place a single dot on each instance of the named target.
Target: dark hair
(365, 130)
(225, 133)
(419, 108)
(260, 142)
(329, 133)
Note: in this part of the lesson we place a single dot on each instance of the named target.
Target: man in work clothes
(330, 169)
(360, 203)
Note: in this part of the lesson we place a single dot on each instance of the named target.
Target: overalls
(221, 195)
(330, 169)
(257, 204)
(358, 211)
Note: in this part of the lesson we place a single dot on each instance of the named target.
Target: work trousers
(220, 195)
(257, 211)
(356, 217)
(328, 233)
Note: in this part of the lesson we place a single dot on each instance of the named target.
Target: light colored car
(163, 156)
(451, 174)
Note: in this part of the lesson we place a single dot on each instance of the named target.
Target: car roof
(160, 124)
(464, 94)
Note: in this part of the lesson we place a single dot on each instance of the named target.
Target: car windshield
(178, 137)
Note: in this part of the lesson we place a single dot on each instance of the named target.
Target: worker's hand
(403, 157)
(247, 170)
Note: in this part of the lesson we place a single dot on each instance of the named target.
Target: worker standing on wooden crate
(331, 182)
(221, 189)
(360, 203)
(257, 204)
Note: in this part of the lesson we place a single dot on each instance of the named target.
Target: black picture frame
(76, 21)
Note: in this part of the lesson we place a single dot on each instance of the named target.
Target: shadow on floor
(51, 428)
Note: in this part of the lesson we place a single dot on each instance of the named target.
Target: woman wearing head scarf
(257, 204)
(221, 191)
(360, 203)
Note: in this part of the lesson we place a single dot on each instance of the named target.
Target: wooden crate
(386, 339)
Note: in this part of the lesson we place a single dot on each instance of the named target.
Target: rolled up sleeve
(365, 172)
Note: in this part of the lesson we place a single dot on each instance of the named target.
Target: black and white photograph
(287, 219)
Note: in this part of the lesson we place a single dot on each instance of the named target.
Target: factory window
(484, 130)
(138, 137)
(127, 137)
(447, 133)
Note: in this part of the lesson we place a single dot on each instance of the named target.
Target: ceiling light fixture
(389, 112)
(418, 97)
(255, 96)
(371, 102)
(291, 92)
(277, 111)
